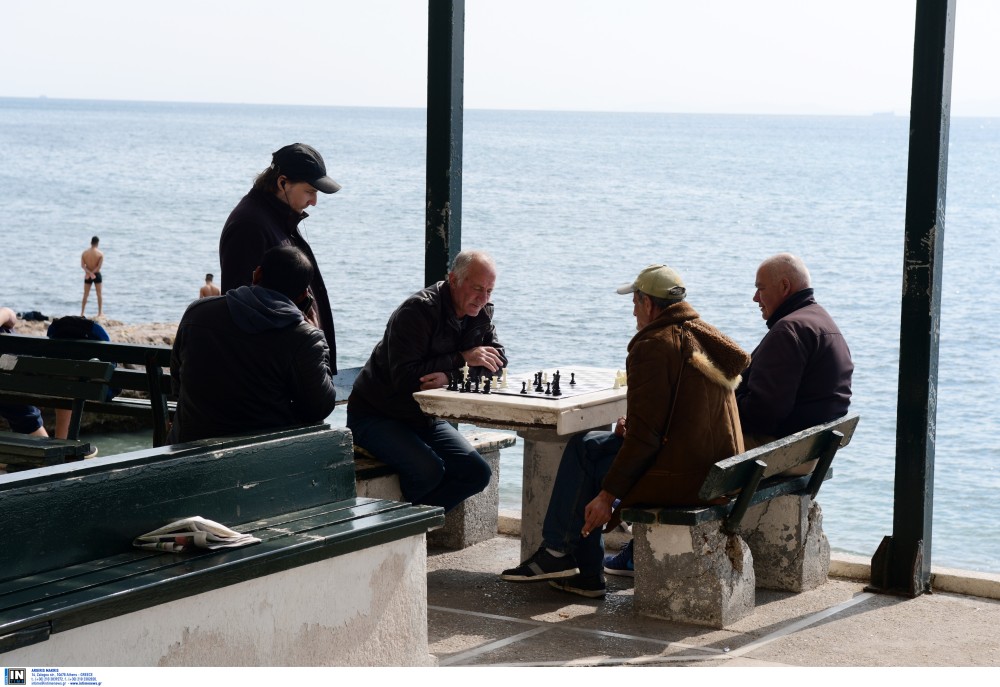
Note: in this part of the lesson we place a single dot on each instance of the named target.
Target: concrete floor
(476, 619)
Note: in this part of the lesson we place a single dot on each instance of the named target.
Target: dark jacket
(677, 361)
(423, 336)
(800, 373)
(261, 221)
(247, 362)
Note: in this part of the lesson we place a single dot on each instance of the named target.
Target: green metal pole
(445, 75)
(902, 564)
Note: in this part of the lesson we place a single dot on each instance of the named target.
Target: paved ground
(476, 619)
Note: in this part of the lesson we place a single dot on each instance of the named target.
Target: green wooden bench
(49, 382)
(73, 591)
(702, 564)
(152, 380)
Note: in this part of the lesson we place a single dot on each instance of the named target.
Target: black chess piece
(556, 391)
(548, 388)
(467, 387)
(486, 386)
(452, 382)
(538, 382)
(572, 378)
(475, 385)
(524, 387)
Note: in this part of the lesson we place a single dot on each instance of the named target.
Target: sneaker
(541, 566)
(590, 586)
(622, 562)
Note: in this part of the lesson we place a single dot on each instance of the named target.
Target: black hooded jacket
(247, 362)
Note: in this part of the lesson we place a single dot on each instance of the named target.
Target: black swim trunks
(96, 280)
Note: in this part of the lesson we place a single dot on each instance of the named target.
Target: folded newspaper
(192, 533)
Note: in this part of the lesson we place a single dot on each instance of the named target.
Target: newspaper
(192, 533)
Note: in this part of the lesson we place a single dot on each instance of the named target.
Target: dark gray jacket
(261, 221)
(248, 362)
(423, 336)
(799, 374)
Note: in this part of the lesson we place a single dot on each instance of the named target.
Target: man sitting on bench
(682, 418)
(23, 419)
(799, 375)
(248, 361)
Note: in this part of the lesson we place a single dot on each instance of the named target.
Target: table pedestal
(543, 450)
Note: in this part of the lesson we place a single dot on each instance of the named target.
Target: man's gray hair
(464, 260)
(790, 267)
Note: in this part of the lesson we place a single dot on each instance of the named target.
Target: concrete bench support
(350, 610)
(693, 574)
(473, 521)
(790, 551)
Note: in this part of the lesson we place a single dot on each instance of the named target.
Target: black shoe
(590, 586)
(541, 566)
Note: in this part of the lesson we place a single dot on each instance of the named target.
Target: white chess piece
(618, 381)
(465, 373)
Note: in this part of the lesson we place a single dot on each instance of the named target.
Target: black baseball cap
(300, 162)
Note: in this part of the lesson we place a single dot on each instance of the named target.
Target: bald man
(800, 373)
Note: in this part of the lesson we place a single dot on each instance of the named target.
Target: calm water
(570, 205)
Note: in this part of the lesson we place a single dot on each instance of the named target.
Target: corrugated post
(902, 564)
(445, 75)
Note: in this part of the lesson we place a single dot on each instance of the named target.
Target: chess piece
(556, 391)
(486, 385)
(524, 387)
(538, 383)
(465, 373)
(548, 388)
(572, 378)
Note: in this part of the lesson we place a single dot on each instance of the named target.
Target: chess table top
(591, 402)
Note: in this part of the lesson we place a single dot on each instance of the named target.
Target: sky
(725, 56)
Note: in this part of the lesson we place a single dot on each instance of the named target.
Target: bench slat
(85, 349)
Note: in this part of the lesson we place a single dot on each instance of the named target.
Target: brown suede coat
(677, 354)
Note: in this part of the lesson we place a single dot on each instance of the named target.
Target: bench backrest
(53, 377)
(86, 349)
(67, 514)
(735, 473)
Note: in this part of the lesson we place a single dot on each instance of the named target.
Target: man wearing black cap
(269, 216)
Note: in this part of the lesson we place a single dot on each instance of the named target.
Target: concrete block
(693, 574)
(471, 522)
(790, 551)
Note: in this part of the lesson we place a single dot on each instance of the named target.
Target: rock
(156, 333)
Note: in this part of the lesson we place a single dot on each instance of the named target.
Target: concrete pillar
(692, 574)
(790, 551)
(543, 450)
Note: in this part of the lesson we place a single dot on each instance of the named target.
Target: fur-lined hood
(708, 350)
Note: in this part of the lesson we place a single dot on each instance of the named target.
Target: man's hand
(483, 356)
(620, 427)
(435, 380)
(597, 513)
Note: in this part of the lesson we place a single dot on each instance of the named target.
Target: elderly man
(800, 373)
(682, 418)
(269, 216)
(435, 332)
(249, 361)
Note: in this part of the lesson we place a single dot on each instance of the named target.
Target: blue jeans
(437, 466)
(584, 464)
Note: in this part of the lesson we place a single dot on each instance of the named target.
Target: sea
(570, 205)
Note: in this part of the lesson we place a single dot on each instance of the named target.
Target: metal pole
(902, 564)
(445, 75)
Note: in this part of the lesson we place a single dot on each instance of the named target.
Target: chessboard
(553, 384)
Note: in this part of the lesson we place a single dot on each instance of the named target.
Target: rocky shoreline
(155, 333)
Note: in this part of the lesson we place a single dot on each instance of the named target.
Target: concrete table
(545, 423)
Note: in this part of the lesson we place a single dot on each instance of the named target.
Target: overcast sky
(745, 56)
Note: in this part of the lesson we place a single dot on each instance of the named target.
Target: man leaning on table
(682, 418)
(436, 331)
